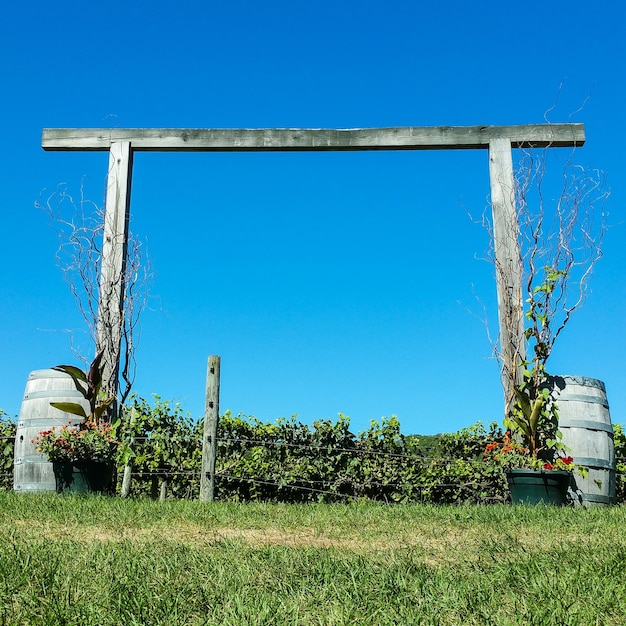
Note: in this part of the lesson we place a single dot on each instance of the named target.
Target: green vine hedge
(288, 461)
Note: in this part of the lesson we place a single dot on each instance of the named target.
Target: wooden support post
(128, 467)
(508, 262)
(209, 441)
(114, 248)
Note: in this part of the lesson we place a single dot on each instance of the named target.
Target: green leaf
(522, 425)
(73, 371)
(534, 417)
(77, 375)
(99, 411)
(95, 374)
(524, 403)
(70, 407)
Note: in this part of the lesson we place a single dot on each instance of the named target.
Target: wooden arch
(498, 140)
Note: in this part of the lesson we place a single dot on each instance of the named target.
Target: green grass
(71, 560)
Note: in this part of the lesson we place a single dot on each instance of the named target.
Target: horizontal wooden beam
(313, 139)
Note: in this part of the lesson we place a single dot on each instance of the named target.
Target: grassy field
(97, 561)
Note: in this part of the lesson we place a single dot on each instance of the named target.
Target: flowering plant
(510, 455)
(86, 441)
(89, 385)
(93, 439)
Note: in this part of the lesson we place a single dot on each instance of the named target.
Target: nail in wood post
(209, 441)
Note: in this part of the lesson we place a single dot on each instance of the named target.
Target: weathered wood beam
(209, 440)
(113, 268)
(313, 139)
(508, 262)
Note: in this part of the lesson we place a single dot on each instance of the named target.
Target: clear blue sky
(327, 282)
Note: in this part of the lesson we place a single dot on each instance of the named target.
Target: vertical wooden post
(209, 440)
(126, 480)
(508, 262)
(114, 249)
(128, 467)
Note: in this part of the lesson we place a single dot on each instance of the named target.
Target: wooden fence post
(128, 467)
(209, 440)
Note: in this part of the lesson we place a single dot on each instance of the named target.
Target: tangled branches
(79, 225)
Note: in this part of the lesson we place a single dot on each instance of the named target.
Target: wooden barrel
(585, 422)
(31, 470)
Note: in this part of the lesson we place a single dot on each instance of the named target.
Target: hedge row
(288, 461)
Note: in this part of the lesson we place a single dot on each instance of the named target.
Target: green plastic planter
(84, 476)
(538, 486)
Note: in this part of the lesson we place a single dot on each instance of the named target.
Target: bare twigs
(561, 230)
(544, 245)
(559, 225)
(79, 224)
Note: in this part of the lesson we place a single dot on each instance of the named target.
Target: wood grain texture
(209, 439)
(508, 262)
(313, 139)
(114, 250)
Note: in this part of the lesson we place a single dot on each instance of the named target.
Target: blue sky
(328, 283)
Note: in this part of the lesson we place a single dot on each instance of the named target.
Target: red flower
(547, 466)
(568, 460)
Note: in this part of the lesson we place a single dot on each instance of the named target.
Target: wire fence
(429, 478)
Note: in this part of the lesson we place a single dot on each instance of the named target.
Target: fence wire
(303, 484)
